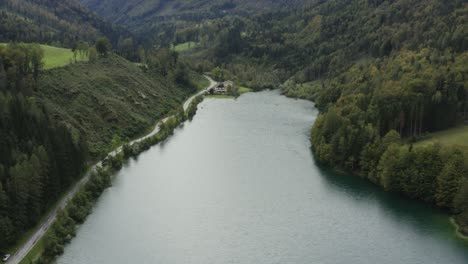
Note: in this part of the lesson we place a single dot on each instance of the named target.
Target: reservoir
(239, 184)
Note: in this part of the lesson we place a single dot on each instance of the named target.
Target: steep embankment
(111, 98)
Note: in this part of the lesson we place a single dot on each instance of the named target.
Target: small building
(222, 88)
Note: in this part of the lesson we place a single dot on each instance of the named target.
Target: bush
(193, 107)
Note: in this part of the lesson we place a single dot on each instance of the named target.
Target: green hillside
(185, 46)
(123, 11)
(111, 97)
(50, 21)
(382, 73)
(158, 21)
(55, 121)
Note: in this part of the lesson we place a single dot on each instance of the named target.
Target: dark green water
(239, 184)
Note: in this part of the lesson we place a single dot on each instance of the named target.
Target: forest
(158, 20)
(383, 74)
(48, 138)
(60, 24)
(39, 158)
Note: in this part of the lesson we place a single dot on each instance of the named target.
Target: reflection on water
(239, 184)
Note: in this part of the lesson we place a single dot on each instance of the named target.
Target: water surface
(239, 184)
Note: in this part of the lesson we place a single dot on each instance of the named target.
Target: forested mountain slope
(156, 20)
(39, 158)
(326, 39)
(415, 51)
(61, 22)
(383, 74)
(54, 122)
(124, 11)
(112, 97)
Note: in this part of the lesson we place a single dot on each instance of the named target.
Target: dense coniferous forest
(39, 158)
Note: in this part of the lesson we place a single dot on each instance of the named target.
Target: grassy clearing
(244, 90)
(185, 46)
(57, 57)
(454, 136)
(457, 136)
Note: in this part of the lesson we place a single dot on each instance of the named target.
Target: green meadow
(55, 57)
(185, 46)
(457, 136)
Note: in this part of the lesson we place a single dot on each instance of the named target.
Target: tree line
(59, 23)
(39, 158)
(322, 40)
(371, 109)
(379, 72)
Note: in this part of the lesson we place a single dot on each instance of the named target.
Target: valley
(318, 107)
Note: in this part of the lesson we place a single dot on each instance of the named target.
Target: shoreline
(457, 227)
(39, 234)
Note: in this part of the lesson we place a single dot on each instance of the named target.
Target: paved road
(47, 223)
(212, 84)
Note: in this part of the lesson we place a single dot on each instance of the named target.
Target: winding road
(49, 220)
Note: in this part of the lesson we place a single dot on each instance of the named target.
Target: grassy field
(244, 90)
(57, 57)
(455, 136)
(185, 46)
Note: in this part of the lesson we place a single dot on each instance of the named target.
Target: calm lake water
(239, 184)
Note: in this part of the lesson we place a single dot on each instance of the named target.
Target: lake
(238, 184)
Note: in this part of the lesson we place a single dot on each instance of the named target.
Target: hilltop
(54, 22)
